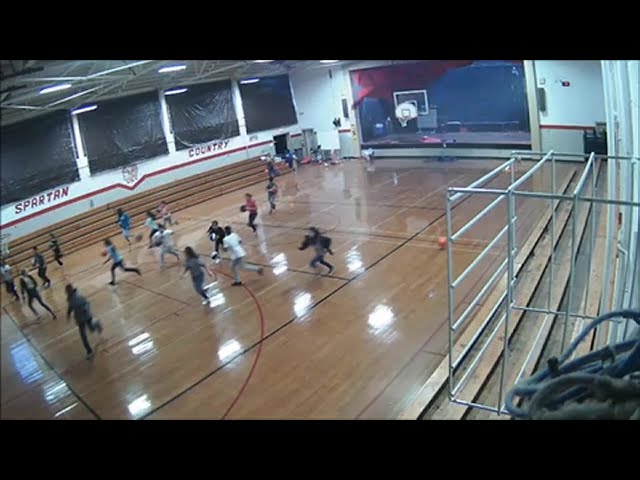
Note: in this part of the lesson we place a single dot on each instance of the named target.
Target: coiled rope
(604, 384)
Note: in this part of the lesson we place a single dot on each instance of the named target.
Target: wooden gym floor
(287, 345)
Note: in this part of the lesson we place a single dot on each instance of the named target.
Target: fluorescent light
(249, 80)
(83, 109)
(175, 91)
(174, 68)
(262, 61)
(329, 61)
(55, 88)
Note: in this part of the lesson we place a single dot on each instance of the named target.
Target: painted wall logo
(130, 174)
(209, 148)
(41, 200)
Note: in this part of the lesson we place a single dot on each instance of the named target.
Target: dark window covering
(202, 114)
(37, 155)
(268, 104)
(123, 131)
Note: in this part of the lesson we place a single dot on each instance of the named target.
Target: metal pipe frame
(480, 406)
(473, 304)
(475, 337)
(511, 277)
(592, 236)
(462, 191)
(476, 359)
(550, 196)
(531, 171)
(531, 154)
(489, 176)
(479, 258)
(451, 291)
(475, 219)
(574, 247)
(578, 196)
(551, 312)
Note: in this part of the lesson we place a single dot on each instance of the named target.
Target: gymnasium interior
(475, 222)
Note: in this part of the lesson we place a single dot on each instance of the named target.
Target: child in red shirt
(252, 207)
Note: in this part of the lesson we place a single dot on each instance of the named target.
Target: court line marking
(50, 365)
(311, 307)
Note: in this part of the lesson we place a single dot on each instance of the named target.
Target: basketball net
(406, 111)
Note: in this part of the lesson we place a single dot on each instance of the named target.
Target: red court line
(258, 351)
(567, 127)
(131, 187)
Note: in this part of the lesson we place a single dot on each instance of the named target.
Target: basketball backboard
(418, 97)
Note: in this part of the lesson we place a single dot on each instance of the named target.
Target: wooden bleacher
(94, 225)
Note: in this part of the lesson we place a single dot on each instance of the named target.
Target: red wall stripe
(344, 130)
(567, 127)
(294, 135)
(129, 187)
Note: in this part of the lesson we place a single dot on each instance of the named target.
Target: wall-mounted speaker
(542, 99)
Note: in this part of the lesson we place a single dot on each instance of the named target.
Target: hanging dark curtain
(268, 104)
(123, 131)
(202, 114)
(37, 155)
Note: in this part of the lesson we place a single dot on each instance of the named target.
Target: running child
(125, 224)
(233, 242)
(39, 262)
(165, 214)
(196, 268)
(272, 191)
(321, 245)
(152, 225)
(82, 313)
(118, 262)
(252, 207)
(29, 287)
(55, 246)
(7, 278)
(164, 238)
(216, 234)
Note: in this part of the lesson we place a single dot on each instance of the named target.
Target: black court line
(156, 293)
(301, 271)
(80, 399)
(290, 321)
(340, 231)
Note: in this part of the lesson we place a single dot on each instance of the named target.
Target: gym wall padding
(37, 155)
(204, 113)
(123, 131)
(268, 104)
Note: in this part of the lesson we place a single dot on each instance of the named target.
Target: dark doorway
(280, 143)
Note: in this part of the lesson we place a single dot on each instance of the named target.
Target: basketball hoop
(406, 111)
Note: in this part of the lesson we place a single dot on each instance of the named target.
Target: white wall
(570, 109)
(318, 94)
(94, 190)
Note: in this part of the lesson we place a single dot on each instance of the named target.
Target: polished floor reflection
(289, 344)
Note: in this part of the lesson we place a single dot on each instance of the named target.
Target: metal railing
(584, 195)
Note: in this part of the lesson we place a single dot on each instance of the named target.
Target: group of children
(159, 236)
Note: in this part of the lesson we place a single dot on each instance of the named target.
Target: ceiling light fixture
(175, 91)
(55, 88)
(88, 108)
(174, 68)
(329, 61)
(262, 61)
(249, 80)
